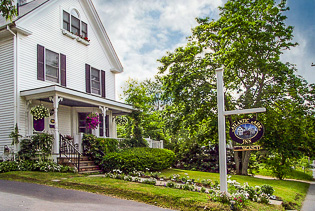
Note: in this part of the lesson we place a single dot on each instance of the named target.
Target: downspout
(16, 112)
(15, 74)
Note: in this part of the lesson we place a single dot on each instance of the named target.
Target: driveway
(16, 196)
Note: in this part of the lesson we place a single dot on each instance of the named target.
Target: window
(84, 30)
(95, 81)
(66, 21)
(101, 126)
(73, 23)
(52, 66)
(82, 123)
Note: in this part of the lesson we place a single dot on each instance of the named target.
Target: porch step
(69, 160)
(86, 165)
(90, 172)
(89, 168)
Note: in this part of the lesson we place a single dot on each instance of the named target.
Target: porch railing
(70, 151)
(152, 143)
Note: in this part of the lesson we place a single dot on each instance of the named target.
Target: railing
(70, 151)
(155, 144)
(152, 143)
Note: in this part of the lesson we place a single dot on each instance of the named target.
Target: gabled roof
(28, 8)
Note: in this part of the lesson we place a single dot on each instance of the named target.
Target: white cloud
(142, 31)
(302, 55)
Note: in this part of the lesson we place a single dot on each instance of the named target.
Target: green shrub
(98, 147)
(138, 159)
(31, 165)
(38, 147)
(8, 166)
(267, 189)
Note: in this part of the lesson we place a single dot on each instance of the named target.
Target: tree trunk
(237, 162)
(245, 162)
(241, 159)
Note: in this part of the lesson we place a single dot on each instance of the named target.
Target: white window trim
(80, 18)
(100, 80)
(59, 79)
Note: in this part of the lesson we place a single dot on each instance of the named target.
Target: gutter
(16, 111)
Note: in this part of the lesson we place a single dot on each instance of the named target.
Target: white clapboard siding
(6, 91)
(64, 120)
(45, 26)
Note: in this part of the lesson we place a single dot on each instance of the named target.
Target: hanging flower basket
(40, 112)
(92, 121)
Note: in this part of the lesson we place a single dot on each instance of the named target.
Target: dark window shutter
(101, 126)
(107, 125)
(40, 63)
(63, 67)
(103, 83)
(87, 78)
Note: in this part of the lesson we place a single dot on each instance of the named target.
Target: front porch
(68, 111)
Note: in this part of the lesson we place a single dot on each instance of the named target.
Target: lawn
(290, 191)
(297, 173)
(159, 196)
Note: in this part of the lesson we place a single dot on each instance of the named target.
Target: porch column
(56, 99)
(104, 110)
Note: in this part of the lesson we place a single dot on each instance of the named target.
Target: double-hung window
(95, 81)
(84, 31)
(82, 123)
(66, 21)
(52, 66)
(75, 25)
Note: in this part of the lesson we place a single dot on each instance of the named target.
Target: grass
(290, 191)
(297, 174)
(160, 196)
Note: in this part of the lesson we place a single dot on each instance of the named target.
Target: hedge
(141, 159)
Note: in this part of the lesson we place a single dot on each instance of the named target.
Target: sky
(142, 31)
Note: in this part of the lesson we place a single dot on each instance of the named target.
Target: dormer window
(73, 24)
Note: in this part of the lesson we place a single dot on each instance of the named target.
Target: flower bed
(238, 196)
(27, 165)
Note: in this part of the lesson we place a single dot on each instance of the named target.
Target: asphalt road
(16, 196)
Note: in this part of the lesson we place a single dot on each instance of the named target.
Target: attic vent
(22, 2)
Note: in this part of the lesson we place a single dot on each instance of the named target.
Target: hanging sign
(246, 131)
(247, 148)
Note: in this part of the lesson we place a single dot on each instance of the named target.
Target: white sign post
(221, 123)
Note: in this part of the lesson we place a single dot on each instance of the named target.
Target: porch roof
(74, 98)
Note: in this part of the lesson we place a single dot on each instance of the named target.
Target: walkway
(16, 196)
(309, 202)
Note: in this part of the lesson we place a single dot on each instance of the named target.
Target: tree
(8, 9)
(147, 119)
(247, 40)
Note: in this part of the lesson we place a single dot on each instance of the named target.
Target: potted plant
(40, 112)
(92, 121)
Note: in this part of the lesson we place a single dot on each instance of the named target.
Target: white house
(57, 53)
